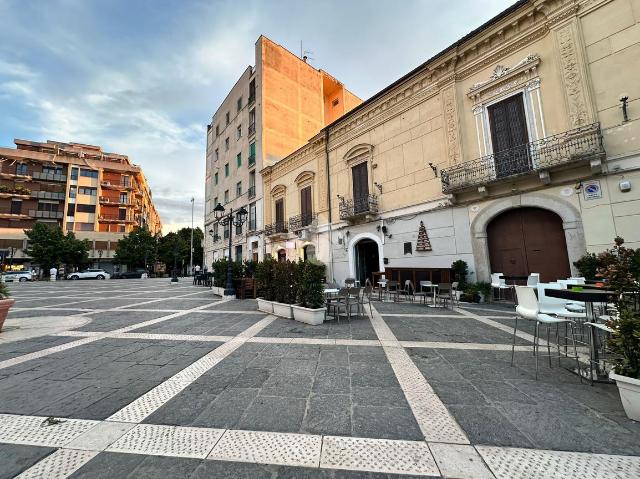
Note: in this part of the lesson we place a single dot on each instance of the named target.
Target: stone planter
(307, 315)
(283, 310)
(5, 305)
(629, 389)
(264, 305)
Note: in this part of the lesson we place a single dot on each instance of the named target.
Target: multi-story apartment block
(273, 109)
(99, 196)
(516, 149)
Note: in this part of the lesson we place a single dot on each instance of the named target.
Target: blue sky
(143, 77)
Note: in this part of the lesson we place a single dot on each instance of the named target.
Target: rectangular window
(217, 131)
(239, 189)
(239, 160)
(239, 132)
(238, 229)
(123, 198)
(226, 144)
(252, 217)
(215, 232)
(47, 206)
(122, 213)
(84, 226)
(71, 210)
(252, 184)
(217, 157)
(125, 181)
(280, 211)
(226, 196)
(86, 190)
(88, 173)
(86, 208)
(360, 179)
(73, 190)
(215, 178)
(305, 206)
(252, 122)
(252, 91)
(74, 173)
(16, 207)
(21, 169)
(509, 136)
(226, 169)
(215, 202)
(252, 154)
(226, 231)
(227, 118)
(239, 253)
(52, 170)
(239, 104)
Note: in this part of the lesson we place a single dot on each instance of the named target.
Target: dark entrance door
(367, 260)
(360, 179)
(528, 240)
(282, 256)
(509, 137)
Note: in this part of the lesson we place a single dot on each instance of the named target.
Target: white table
(433, 287)
(331, 291)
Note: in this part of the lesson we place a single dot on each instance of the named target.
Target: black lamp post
(174, 273)
(229, 219)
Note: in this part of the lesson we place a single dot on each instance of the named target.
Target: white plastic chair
(528, 309)
(579, 279)
(557, 306)
(533, 279)
(498, 283)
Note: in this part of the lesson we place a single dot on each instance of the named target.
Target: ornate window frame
(304, 179)
(504, 82)
(361, 153)
(278, 192)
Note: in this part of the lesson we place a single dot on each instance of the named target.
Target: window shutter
(360, 181)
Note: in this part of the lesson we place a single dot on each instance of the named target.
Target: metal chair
(422, 293)
(528, 309)
(392, 289)
(444, 293)
(365, 298)
(407, 290)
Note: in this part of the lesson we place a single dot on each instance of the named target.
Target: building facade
(274, 108)
(516, 149)
(99, 196)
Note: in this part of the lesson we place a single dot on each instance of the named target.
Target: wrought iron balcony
(299, 222)
(353, 208)
(277, 228)
(252, 128)
(251, 192)
(578, 145)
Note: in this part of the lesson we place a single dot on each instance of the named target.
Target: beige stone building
(274, 108)
(517, 147)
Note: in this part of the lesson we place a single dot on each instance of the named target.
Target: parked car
(136, 273)
(21, 276)
(89, 274)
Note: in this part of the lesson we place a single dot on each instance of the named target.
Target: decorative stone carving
(572, 77)
(451, 123)
(533, 84)
(500, 70)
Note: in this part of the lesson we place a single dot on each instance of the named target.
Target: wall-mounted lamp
(624, 99)
(378, 185)
(434, 168)
(340, 197)
(578, 187)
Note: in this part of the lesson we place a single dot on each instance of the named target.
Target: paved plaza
(137, 378)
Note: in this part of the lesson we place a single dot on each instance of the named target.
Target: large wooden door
(305, 206)
(509, 136)
(279, 214)
(528, 240)
(360, 179)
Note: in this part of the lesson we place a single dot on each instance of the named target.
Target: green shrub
(311, 288)
(219, 270)
(625, 343)
(4, 291)
(460, 272)
(264, 274)
(284, 290)
(588, 265)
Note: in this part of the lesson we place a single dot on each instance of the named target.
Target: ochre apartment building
(273, 109)
(516, 149)
(99, 196)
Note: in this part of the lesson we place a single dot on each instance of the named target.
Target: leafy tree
(48, 246)
(198, 236)
(167, 245)
(136, 248)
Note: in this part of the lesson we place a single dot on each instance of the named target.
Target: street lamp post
(99, 257)
(230, 219)
(174, 276)
(191, 250)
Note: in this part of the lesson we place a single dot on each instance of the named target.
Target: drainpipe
(326, 154)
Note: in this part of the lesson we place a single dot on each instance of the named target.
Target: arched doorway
(309, 252)
(528, 240)
(367, 260)
(282, 255)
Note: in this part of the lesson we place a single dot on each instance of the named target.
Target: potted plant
(625, 344)
(265, 282)
(460, 271)
(310, 294)
(484, 290)
(284, 293)
(5, 303)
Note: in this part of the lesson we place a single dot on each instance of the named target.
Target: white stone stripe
(501, 327)
(407, 315)
(352, 453)
(150, 402)
(433, 418)
(62, 347)
(516, 463)
(58, 465)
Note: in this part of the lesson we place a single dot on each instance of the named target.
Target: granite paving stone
(15, 458)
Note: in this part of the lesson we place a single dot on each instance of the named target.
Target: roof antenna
(304, 54)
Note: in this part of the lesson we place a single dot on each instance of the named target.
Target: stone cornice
(299, 157)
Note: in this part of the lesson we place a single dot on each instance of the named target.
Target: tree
(137, 249)
(198, 236)
(48, 246)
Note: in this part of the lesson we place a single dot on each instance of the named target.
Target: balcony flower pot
(629, 389)
(308, 315)
(264, 305)
(283, 310)
(5, 305)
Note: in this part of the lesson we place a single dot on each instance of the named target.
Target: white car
(89, 274)
(21, 276)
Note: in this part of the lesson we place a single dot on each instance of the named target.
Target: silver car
(21, 276)
(89, 274)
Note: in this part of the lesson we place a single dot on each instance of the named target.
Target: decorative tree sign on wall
(423, 243)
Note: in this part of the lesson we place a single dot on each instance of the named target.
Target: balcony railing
(46, 214)
(47, 195)
(580, 144)
(299, 222)
(251, 192)
(352, 208)
(252, 159)
(252, 128)
(279, 227)
(38, 175)
(115, 218)
(115, 201)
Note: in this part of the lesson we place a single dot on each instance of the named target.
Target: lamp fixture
(434, 168)
(624, 99)
(378, 185)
